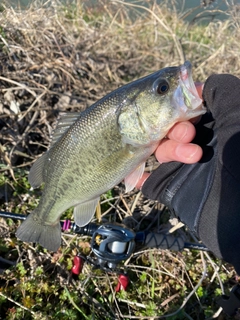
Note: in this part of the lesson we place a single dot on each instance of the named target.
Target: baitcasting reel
(111, 243)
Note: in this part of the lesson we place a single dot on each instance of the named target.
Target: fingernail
(186, 152)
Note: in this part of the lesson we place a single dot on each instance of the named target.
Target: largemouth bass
(93, 151)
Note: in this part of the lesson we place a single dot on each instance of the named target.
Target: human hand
(177, 145)
(205, 195)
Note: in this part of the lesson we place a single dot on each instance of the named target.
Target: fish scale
(93, 151)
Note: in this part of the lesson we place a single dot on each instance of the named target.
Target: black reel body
(112, 243)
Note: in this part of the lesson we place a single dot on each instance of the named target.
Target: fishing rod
(113, 243)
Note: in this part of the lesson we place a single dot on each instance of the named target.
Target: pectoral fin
(132, 179)
(84, 212)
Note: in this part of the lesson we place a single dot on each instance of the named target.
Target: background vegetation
(57, 58)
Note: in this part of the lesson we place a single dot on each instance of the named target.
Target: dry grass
(58, 58)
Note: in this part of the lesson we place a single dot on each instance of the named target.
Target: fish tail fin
(48, 236)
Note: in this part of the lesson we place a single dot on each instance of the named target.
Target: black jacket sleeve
(206, 195)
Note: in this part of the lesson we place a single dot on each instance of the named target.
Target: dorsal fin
(64, 123)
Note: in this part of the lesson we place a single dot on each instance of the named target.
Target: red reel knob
(77, 265)
(123, 282)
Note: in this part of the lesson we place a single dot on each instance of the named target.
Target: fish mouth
(190, 94)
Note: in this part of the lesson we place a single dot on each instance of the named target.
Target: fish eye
(161, 86)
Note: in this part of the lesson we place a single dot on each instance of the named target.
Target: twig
(135, 201)
(16, 303)
(32, 105)
(23, 86)
(137, 304)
